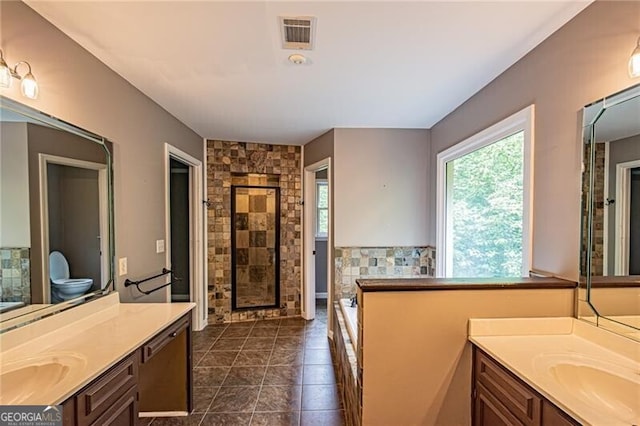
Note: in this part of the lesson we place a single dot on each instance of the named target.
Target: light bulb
(634, 62)
(5, 74)
(29, 86)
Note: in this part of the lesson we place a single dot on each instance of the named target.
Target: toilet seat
(62, 286)
(72, 281)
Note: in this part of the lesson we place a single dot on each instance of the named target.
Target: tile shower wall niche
(352, 263)
(255, 244)
(237, 163)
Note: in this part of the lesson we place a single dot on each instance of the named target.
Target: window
(322, 209)
(484, 202)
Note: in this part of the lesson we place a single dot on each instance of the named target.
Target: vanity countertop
(90, 338)
(590, 373)
(426, 284)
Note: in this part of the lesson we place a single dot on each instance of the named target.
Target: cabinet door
(552, 416)
(520, 400)
(488, 411)
(124, 412)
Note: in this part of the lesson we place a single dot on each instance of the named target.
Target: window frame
(317, 208)
(522, 121)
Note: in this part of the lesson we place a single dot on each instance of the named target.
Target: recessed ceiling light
(298, 59)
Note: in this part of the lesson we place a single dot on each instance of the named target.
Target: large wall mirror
(610, 262)
(56, 215)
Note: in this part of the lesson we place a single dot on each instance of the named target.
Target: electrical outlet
(122, 266)
(159, 246)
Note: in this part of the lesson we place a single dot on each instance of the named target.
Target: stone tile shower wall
(224, 159)
(597, 254)
(15, 280)
(352, 263)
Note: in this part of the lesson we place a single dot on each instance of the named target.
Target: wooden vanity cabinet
(500, 398)
(155, 377)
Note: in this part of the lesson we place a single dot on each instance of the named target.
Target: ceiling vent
(298, 32)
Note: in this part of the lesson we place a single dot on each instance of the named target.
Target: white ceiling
(219, 66)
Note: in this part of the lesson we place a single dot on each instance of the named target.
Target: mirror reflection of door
(634, 222)
(180, 229)
(73, 200)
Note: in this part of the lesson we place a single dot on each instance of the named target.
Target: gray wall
(582, 62)
(381, 175)
(78, 88)
(14, 186)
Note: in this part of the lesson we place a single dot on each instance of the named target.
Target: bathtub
(351, 320)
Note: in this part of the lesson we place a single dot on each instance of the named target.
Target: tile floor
(271, 373)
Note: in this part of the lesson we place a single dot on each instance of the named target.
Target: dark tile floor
(271, 373)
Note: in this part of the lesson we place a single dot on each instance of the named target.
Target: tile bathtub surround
(352, 263)
(15, 280)
(226, 160)
(347, 368)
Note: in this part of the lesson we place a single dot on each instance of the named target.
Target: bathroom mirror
(56, 215)
(610, 261)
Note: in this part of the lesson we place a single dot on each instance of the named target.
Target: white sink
(21, 379)
(611, 389)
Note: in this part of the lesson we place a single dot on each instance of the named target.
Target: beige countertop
(563, 359)
(95, 336)
(23, 310)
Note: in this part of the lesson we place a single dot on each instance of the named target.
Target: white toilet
(62, 287)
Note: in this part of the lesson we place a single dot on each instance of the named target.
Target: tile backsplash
(352, 263)
(15, 280)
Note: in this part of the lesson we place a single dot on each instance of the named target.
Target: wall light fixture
(28, 85)
(634, 61)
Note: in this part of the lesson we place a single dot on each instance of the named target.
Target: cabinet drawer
(124, 412)
(153, 346)
(489, 411)
(100, 395)
(518, 398)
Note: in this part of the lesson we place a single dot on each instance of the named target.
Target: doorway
(74, 220)
(627, 218)
(634, 223)
(179, 218)
(184, 232)
(318, 246)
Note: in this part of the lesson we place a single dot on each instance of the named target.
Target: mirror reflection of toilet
(62, 286)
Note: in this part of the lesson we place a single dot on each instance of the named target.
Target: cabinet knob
(174, 334)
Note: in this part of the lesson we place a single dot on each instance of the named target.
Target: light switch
(159, 246)
(122, 266)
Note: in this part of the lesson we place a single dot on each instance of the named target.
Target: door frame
(197, 285)
(623, 209)
(309, 285)
(103, 208)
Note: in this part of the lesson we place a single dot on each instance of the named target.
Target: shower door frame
(234, 291)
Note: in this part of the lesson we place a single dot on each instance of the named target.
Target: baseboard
(163, 414)
(321, 295)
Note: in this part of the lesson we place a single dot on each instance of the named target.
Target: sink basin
(21, 379)
(611, 389)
